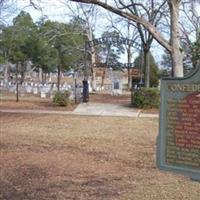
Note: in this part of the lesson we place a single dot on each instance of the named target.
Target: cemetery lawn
(8, 101)
(48, 157)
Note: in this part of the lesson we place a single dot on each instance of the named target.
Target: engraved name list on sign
(183, 138)
(178, 145)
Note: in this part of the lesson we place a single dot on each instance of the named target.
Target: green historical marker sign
(178, 145)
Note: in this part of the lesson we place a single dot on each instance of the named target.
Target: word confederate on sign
(178, 145)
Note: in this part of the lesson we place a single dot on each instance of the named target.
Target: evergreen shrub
(146, 98)
(61, 98)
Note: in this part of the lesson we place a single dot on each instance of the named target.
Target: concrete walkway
(95, 109)
(100, 109)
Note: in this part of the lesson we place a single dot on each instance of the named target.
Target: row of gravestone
(42, 90)
(114, 88)
(48, 89)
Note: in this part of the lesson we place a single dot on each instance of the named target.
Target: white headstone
(40, 87)
(71, 97)
(35, 90)
(43, 95)
(22, 90)
(28, 89)
(1, 84)
(12, 88)
(51, 95)
(46, 89)
(54, 87)
(90, 88)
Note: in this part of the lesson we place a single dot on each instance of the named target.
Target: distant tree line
(50, 46)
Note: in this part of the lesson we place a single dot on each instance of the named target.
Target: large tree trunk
(6, 74)
(129, 56)
(59, 73)
(103, 78)
(17, 82)
(146, 68)
(176, 54)
(22, 72)
(93, 58)
(40, 75)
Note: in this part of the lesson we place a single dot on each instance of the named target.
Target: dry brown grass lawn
(47, 157)
(8, 101)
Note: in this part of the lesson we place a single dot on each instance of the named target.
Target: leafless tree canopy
(127, 10)
(7, 9)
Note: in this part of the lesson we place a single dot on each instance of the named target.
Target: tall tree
(166, 64)
(189, 31)
(44, 56)
(109, 54)
(23, 27)
(128, 30)
(87, 15)
(5, 50)
(67, 44)
(153, 70)
(15, 45)
(152, 12)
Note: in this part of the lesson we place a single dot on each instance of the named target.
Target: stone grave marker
(22, 89)
(117, 83)
(35, 89)
(43, 94)
(1, 83)
(97, 88)
(54, 87)
(12, 88)
(28, 89)
(47, 88)
(69, 87)
(51, 94)
(43, 91)
(90, 87)
(50, 77)
(178, 145)
(40, 87)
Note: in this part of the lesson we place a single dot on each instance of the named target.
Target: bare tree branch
(160, 39)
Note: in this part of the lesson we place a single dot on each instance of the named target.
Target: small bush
(146, 98)
(61, 98)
